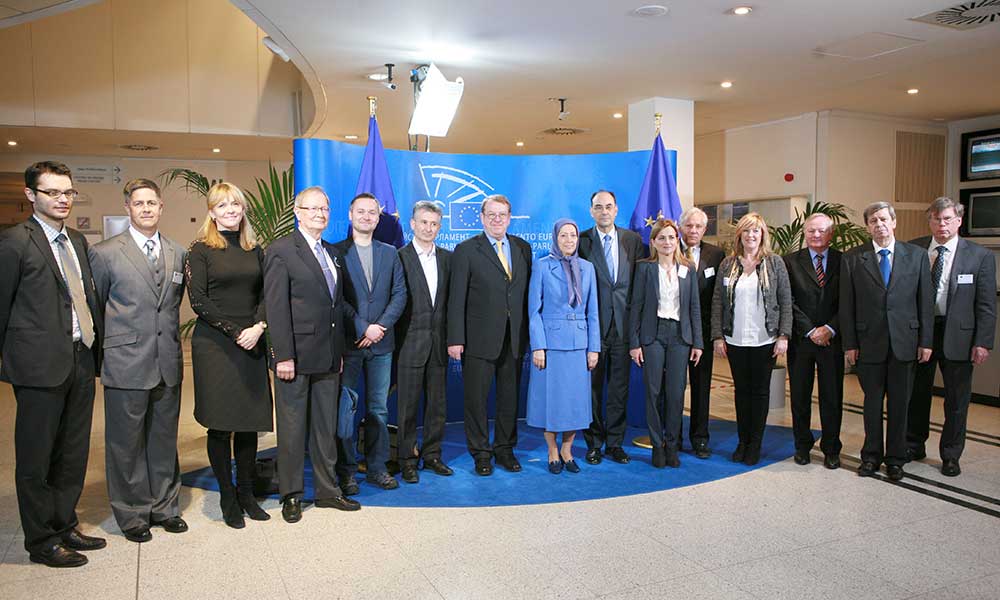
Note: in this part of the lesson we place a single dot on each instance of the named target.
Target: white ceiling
(514, 55)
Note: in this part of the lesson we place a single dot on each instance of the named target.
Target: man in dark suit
(488, 330)
(421, 338)
(887, 318)
(707, 257)
(305, 314)
(815, 348)
(49, 351)
(375, 292)
(613, 251)
(139, 275)
(964, 279)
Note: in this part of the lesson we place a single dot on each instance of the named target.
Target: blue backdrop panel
(542, 189)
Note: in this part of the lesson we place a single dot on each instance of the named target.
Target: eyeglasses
(496, 216)
(70, 194)
(315, 209)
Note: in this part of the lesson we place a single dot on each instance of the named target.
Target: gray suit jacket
(971, 309)
(142, 344)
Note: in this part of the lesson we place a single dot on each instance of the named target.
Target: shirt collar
(891, 247)
(51, 233)
(309, 238)
(613, 233)
(951, 244)
(140, 239)
(813, 254)
(493, 240)
(427, 254)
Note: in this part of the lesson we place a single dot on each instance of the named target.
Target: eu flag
(374, 179)
(658, 197)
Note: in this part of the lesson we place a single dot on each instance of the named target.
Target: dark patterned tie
(820, 273)
(938, 269)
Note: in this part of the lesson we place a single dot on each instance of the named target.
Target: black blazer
(972, 314)
(303, 322)
(481, 299)
(874, 318)
(36, 315)
(420, 331)
(613, 299)
(814, 306)
(710, 258)
(646, 298)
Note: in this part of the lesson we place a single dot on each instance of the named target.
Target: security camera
(390, 85)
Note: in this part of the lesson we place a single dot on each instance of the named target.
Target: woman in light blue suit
(665, 324)
(565, 342)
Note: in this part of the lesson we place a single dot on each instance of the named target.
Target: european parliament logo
(459, 193)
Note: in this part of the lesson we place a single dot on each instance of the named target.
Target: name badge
(709, 272)
(682, 272)
(964, 278)
(178, 277)
(725, 282)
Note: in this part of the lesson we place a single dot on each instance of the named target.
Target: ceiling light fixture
(11, 143)
(519, 144)
(350, 137)
(617, 116)
(742, 11)
(651, 10)
(216, 150)
(913, 91)
(726, 84)
(378, 76)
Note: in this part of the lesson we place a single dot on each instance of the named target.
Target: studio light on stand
(436, 102)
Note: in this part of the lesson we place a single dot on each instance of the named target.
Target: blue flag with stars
(374, 179)
(658, 197)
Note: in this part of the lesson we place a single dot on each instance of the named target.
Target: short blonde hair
(209, 231)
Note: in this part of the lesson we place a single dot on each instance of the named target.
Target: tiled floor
(783, 531)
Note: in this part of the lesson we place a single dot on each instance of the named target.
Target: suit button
(333, 324)
(157, 333)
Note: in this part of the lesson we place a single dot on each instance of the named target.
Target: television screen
(982, 211)
(981, 155)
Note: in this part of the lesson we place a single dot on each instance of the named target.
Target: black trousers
(957, 377)
(613, 368)
(806, 361)
(429, 380)
(51, 446)
(478, 374)
(891, 381)
(751, 368)
(701, 387)
(664, 370)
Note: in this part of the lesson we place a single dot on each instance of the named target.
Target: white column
(677, 132)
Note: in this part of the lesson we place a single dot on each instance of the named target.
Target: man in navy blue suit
(376, 295)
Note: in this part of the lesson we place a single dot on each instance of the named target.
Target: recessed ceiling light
(912, 91)
(742, 11)
(11, 143)
(519, 144)
(350, 137)
(651, 10)
(617, 115)
(378, 76)
(727, 84)
(216, 150)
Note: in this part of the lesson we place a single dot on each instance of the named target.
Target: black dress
(232, 390)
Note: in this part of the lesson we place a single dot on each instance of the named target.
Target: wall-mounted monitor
(982, 211)
(981, 155)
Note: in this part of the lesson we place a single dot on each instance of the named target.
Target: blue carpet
(535, 485)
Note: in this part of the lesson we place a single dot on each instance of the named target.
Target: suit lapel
(377, 258)
(902, 255)
(487, 248)
(870, 260)
(138, 260)
(623, 257)
(442, 282)
(961, 251)
(167, 251)
(412, 257)
(597, 255)
(805, 259)
(38, 237)
(309, 258)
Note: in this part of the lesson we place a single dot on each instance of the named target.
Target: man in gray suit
(140, 283)
(964, 278)
(887, 317)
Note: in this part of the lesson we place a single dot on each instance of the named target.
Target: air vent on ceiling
(139, 147)
(563, 131)
(967, 15)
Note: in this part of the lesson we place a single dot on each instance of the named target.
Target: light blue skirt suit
(559, 395)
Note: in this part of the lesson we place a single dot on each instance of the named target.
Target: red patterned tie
(820, 274)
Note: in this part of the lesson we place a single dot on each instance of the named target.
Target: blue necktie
(608, 257)
(884, 266)
(327, 273)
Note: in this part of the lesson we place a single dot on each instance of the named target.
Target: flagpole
(372, 105)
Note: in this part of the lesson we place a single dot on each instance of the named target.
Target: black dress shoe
(593, 456)
(571, 466)
(382, 480)
(555, 467)
(701, 450)
(291, 510)
(509, 462)
(439, 468)
(950, 468)
(137, 534)
(672, 459)
(338, 502)
(74, 540)
(659, 457)
(751, 456)
(410, 474)
(915, 454)
(58, 556)
(740, 452)
(895, 472)
(484, 467)
(867, 469)
(831, 461)
(172, 525)
(802, 457)
(618, 455)
(350, 487)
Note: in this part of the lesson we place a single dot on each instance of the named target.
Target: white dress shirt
(749, 324)
(140, 240)
(941, 297)
(892, 251)
(51, 234)
(669, 305)
(428, 262)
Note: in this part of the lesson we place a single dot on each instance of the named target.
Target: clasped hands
(373, 335)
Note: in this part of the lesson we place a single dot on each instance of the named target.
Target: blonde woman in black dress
(231, 385)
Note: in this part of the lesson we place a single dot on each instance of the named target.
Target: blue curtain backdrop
(542, 188)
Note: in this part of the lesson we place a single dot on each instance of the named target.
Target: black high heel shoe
(232, 513)
(248, 503)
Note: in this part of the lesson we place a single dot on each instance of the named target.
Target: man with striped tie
(814, 274)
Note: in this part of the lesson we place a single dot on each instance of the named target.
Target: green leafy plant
(846, 234)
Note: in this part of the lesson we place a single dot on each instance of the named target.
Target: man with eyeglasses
(50, 331)
(304, 294)
(488, 331)
(963, 275)
(139, 275)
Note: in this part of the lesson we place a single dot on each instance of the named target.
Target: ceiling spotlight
(350, 137)
(216, 150)
(742, 11)
(378, 76)
(617, 116)
(275, 48)
(11, 143)
(519, 144)
(913, 91)
(727, 84)
(651, 10)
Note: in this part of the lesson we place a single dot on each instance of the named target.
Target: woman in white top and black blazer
(665, 333)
